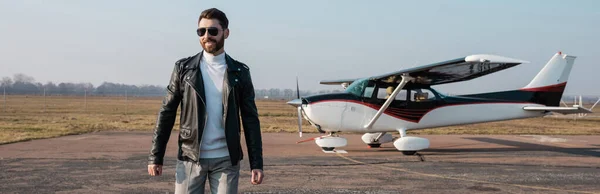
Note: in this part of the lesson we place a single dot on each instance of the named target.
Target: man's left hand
(257, 176)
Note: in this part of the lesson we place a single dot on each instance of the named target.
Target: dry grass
(25, 118)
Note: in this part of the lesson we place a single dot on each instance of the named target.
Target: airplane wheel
(409, 153)
(374, 145)
(328, 148)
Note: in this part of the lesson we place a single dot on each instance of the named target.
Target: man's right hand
(154, 169)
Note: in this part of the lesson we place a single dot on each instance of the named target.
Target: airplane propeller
(298, 103)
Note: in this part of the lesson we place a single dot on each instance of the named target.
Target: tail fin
(555, 73)
(550, 83)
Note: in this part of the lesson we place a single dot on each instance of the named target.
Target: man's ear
(226, 33)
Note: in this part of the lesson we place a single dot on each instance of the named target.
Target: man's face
(212, 42)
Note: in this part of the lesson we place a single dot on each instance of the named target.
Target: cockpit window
(358, 87)
(422, 95)
(385, 93)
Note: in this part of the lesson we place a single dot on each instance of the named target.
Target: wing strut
(405, 79)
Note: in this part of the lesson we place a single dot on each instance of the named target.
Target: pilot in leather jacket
(187, 88)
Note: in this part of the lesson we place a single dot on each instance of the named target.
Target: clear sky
(138, 41)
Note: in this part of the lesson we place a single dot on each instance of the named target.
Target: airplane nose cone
(295, 102)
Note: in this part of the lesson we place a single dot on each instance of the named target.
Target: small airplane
(404, 100)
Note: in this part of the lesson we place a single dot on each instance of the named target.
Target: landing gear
(374, 140)
(410, 145)
(330, 142)
(374, 145)
(327, 148)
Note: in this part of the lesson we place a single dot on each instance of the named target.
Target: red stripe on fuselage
(398, 116)
(551, 88)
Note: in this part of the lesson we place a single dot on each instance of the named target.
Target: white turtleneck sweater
(213, 70)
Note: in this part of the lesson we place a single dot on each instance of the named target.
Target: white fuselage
(351, 116)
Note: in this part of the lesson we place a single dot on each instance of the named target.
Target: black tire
(374, 145)
(328, 148)
(409, 153)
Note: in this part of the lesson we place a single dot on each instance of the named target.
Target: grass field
(31, 117)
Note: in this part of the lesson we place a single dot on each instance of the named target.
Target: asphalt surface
(115, 162)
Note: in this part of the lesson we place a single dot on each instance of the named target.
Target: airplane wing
(337, 82)
(460, 69)
(561, 110)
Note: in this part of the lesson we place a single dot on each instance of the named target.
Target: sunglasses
(213, 31)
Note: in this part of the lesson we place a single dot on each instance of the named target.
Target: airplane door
(358, 113)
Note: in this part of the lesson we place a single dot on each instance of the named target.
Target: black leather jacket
(187, 88)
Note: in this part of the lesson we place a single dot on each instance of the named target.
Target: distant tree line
(287, 94)
(21, 84)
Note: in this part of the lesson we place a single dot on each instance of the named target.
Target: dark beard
(217, 47)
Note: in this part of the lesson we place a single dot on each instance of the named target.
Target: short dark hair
(214, 13)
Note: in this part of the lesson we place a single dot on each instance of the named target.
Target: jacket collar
(232, 65)
(231, 79)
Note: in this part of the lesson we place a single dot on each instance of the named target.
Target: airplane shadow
(520, 147)
(517, 146)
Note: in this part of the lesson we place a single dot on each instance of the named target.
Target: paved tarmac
(115, 162)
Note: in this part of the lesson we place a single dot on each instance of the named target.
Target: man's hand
(257, 176)
(154, 169)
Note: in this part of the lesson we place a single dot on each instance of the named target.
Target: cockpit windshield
(357, 87)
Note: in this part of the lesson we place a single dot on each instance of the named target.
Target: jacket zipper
(205, 119)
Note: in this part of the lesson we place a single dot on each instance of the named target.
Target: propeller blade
(297, 89)
(300, 120)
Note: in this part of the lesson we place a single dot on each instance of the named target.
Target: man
(214, 90)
